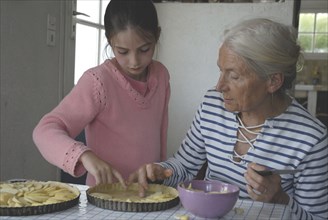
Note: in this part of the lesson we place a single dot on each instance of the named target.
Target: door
(85, 47)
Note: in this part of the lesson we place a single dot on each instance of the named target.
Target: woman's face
(243, 90)
(133, 53)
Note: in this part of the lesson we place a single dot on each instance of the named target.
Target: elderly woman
(249, 123)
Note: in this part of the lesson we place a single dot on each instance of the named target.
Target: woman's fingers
(257, 183)
(167, 173)
(139, 176)
(142, 177)
(150, 172)
(255, 196)
(262, 188)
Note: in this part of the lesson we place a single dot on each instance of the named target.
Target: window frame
(314, 6)
(98, 25)
(99, 28)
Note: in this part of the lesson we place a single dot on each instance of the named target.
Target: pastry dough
(115, 192)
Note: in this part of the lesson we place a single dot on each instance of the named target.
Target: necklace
(255, 130)
(257, 127)
(248, 129)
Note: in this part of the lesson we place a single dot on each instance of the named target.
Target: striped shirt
(292, 140)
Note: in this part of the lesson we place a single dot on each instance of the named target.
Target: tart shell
(43, 209)
(128, 206)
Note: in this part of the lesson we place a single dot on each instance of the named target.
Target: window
(312, 81)
(313, 29)
(90, 35)
(313, 32)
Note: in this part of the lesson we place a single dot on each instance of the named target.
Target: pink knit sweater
(122, 127)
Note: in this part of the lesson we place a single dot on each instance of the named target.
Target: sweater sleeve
(310, 199)
(54, 134)
(164, 126)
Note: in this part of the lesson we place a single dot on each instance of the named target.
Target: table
(311, 92)
(252, 210)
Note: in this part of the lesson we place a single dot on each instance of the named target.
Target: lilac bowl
(208, 199)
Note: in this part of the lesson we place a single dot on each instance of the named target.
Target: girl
(121, 104)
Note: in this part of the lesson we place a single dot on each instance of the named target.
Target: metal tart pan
(42, 209)
(127, 206)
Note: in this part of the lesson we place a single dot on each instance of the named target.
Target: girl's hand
(102, 171)
(264, 188)
(152, 172)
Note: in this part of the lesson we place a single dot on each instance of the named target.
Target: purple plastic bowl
(208, 205)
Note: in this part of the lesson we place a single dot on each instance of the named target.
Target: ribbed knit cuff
(71, 163)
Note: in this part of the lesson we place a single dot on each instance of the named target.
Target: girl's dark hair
(140, 15)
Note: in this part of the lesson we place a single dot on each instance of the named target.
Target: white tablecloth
(84, 210)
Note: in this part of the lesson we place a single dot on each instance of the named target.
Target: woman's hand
(152, 172)
(264, 188)
(102, 171)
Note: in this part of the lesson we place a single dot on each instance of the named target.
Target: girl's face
(133, 53)
(243, 90)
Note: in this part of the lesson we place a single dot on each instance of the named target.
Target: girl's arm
(54, 134)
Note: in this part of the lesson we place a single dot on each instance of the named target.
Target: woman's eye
(143, 50)
(234, 75)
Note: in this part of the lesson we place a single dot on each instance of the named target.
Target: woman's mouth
(227, 101)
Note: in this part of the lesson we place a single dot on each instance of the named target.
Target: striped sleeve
(310, 200)
(190, 157)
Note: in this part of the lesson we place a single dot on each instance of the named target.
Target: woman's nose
(220, 84)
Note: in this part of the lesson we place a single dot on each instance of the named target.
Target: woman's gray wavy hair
(267, 47)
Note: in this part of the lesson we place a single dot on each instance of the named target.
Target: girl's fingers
(98, 180)
(132, 178)
(119, 177)
(142, 191)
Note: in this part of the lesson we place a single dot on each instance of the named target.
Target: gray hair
(267, 47)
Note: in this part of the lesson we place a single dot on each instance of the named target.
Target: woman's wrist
(281, 198)
(155, 182)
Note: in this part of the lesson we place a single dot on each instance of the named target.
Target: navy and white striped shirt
(292, 140)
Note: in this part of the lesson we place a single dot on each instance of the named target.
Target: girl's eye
(123, 52)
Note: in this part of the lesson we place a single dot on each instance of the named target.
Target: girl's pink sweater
(122, 127)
